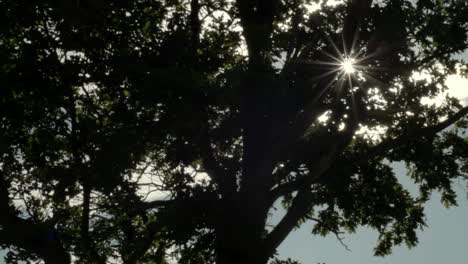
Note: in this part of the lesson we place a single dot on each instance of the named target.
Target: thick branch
(84, 227)
(389, 144)
(195, 26)
(158, 204)
(303, 200)
(383, 147)
(301, 203)
(257, 22)
(285, 189)
(206, 199)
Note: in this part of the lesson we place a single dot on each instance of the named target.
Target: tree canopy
(140, 131)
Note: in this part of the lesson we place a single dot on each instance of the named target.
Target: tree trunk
(241, 227)
(239, 232)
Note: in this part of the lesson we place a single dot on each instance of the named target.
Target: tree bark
(241, 222)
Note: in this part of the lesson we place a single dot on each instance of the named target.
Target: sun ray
(341, 81)
(345, 50)
(325, 74)
(350, 66)
(372, 78)
(357, 55)
(328, 86)
(319, 62)
(338, 60)
(355, 39)
(334, 47)
(368, 56)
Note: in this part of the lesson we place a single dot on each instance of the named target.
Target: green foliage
(147, 130)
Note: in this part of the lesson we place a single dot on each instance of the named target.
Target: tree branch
(425, 131)
(336, 232)
(383, 147)
(205, 198)
(301, 203)
(357, 11)
(195, 26)
(257, 21)
(34, 237)
(303, 200)
(158, 204)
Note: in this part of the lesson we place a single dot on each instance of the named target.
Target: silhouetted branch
(383, 147)
(195, 26)
(257, 22)
(304, 198)
(336, 232)
(301, 203)
(32, 236)
(389, 144)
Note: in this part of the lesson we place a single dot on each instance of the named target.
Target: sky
(444, 240)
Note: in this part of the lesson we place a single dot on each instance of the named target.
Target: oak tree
(133, 131)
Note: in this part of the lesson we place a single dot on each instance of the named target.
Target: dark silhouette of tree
(222, 108)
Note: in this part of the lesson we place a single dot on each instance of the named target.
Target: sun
(347, 65)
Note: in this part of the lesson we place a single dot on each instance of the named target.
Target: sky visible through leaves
(444, 240)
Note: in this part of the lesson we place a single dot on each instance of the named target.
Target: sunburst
(347, 65)
(345, 70)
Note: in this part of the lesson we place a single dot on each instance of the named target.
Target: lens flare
(348, 66)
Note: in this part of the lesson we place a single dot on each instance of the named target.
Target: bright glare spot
(341, 127)
(335, 2)
(421, 76)
(372, 134)
(458, 87)
(317, 5)
(324, 117)
(377, 99)
(348, 66)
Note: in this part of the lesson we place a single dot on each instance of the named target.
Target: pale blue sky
(445, 240)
